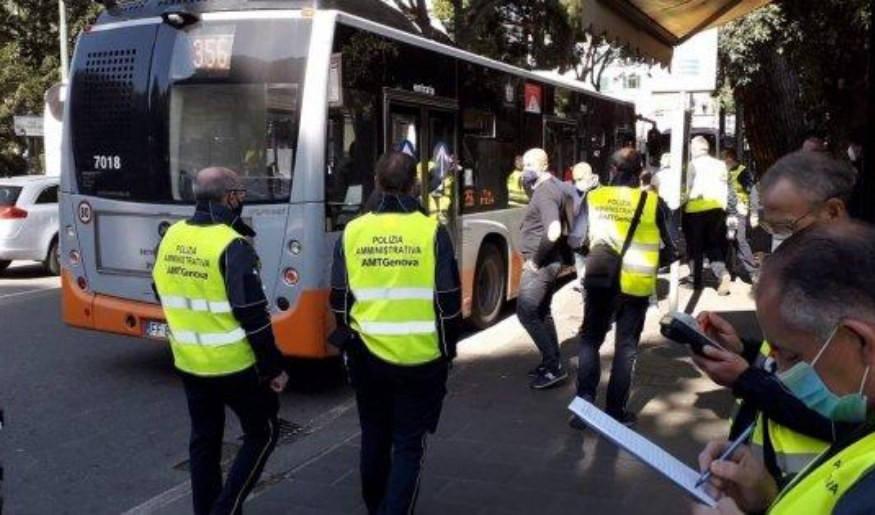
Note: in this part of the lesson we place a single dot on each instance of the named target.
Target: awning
(653, 27)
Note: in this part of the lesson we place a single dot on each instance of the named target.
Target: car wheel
(53, 260)
(490, 283)
(4, 264)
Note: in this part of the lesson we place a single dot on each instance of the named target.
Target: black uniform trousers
(705, 233)
(600, 308)
(398, 406)
(256, 406)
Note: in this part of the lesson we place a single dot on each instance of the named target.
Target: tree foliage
(544, 34)
(30, 64)
(797, 67)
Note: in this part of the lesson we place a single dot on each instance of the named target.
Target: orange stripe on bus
(300, 332)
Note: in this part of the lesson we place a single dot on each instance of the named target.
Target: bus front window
(250, 128)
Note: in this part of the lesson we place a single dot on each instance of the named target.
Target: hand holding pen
(734, 471)
(743, 437)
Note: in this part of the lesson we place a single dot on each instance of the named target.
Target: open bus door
(429, 124)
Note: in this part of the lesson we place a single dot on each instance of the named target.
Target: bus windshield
(218, 94)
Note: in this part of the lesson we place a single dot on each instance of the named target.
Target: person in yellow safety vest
(739, 212)
(396, 296)
(704, 219)
(800, 189)
(516, 194)
(629, 223)
(818, 315)
(206, 277)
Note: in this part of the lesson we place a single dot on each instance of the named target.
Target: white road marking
(28, 292)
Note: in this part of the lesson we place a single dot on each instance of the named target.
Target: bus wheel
(490, 283)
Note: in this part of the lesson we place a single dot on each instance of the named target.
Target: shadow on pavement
(31, 271)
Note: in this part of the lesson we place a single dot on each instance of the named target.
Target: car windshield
(8, 195)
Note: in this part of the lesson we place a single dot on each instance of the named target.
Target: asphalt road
(97, 423)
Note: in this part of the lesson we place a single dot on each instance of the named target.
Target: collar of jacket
(207, 213)
(390, 203)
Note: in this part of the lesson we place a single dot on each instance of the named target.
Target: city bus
(300, 98)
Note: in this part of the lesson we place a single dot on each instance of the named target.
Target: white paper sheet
(641, 448)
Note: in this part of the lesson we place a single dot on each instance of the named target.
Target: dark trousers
(256, 407)
(705, 233)
(599, 309)
(397, 407)
(533, 310)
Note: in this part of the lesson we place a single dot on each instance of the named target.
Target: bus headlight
(75, 257)
(71, 232)
(295, 247)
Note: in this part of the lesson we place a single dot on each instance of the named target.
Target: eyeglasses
(785, 228)
(239, 191)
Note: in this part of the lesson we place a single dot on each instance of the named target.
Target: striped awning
(653, 28)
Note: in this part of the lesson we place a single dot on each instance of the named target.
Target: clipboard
(643, 449)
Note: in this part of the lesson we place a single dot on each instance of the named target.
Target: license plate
(156, 329)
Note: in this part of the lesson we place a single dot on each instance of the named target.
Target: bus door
(560, 143)
(428, 126)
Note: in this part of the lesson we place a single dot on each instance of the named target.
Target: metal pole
(678, 133)
(62, 28)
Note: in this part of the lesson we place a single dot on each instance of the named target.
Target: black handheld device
(683, 328)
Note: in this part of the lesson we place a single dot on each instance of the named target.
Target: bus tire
(4, 264)
(490, 287)
(52, 263)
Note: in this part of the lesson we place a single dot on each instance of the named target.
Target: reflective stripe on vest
(698, 205)
(390, 262)
(793, 450)
(206, 338)
(611, 209)
(820, 489)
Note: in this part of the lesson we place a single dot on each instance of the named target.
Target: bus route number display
(211, 52)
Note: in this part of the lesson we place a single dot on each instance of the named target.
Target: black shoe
(549, 378)
(574, 422)
(537, 371)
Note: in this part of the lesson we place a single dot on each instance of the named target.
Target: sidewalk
(502, 448)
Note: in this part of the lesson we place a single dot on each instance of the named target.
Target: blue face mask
(804, 382)
(528, 179)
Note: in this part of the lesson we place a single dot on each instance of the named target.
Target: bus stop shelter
(653, 28)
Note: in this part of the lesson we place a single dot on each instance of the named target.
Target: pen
(728, 452)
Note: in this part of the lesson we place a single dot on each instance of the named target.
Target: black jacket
(447, 299)
(241, 269)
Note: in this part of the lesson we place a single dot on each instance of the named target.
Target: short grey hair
(213, 183)
(816, 175)
(824, 274)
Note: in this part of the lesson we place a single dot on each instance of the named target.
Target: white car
(29, 221)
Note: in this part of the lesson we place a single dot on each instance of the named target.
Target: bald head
(213, 184)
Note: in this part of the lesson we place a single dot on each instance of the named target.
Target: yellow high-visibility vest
(611, 209)
(793, 450)
(205, 337)
(820, 487)
(516, 194)
(390, 263)
(743, 196)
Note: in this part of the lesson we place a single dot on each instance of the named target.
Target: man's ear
(866, 332)
(835, 209)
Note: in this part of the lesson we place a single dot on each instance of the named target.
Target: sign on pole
(29, 125)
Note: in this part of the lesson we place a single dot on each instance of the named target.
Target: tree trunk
(773, 119)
